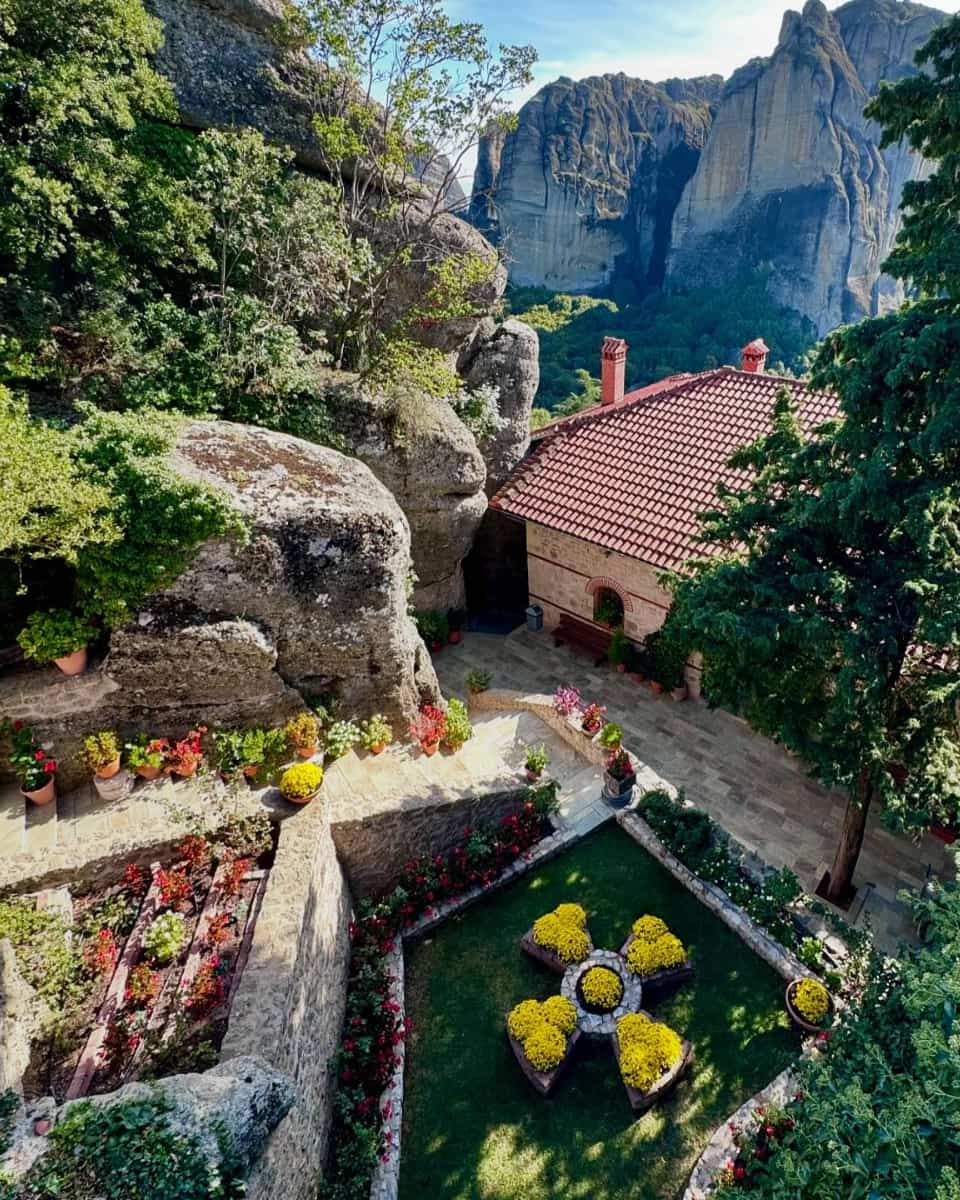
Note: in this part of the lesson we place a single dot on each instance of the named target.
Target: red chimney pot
(754, 356)
(613, 367)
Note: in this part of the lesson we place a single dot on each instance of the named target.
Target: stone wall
(374, 847)
(290, 1003)
(564, 573)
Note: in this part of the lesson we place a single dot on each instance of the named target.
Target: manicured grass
(474, 1129)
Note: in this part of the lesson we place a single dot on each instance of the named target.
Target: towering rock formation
(792, 175)
(590, 176)
(779, 168)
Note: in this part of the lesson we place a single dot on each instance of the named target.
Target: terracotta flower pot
(304, 800)
(378, 748)
(42, 795)
(249, 771)
(108, 771)
(533, 776)
(186, 772)
(797, 1018)
(429, 748)
(149, 772)
(73, 664)
(655, 687)
(307, 751)
(453, 637)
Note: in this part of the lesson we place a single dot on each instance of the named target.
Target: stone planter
(116, 787)
(618, 792)
(660, 984)
(543, 1081)
(800, 1022)
(602, 1025)
(546, 958)
(640, 1102)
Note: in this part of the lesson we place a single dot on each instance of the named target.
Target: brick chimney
(613, 366)
(754, 356)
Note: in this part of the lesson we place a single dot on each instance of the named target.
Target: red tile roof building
(612, 495)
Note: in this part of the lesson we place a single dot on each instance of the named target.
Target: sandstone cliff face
(792, 175)
(591, 176)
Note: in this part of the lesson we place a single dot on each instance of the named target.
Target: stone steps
(26, 828)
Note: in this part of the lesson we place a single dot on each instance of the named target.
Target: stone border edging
(760, 942)
(386, 1179)
(721, 1147)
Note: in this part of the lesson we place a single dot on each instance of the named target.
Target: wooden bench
(576, 633)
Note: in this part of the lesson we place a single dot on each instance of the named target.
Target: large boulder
(417, 446)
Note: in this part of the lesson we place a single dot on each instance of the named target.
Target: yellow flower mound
(524, 1019)
(545, 1047)
(644, 958)
(601, 988)
(811, 1000)
(572, 914)
(559, 1012)
(649, 929)
(647, 1049)
(564, 932)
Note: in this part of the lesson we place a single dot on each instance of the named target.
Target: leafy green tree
(832, 619)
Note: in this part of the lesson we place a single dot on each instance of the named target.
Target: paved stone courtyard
(753, 788)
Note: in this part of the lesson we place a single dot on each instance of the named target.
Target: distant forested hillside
(667, 333)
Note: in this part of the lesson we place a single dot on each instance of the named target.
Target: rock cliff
(591, 176)
(697, 182)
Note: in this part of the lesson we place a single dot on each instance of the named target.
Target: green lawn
(473, 1129)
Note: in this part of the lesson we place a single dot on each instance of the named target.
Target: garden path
(752, 787)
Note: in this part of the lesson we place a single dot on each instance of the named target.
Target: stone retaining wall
(722, 1146)
(290, 1003)
(374, 848)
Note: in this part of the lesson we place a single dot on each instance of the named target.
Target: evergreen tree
(832, 619)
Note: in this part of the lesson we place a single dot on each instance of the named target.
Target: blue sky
(650, 39)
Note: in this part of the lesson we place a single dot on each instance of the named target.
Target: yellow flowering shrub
(559, 1012)
(545, 1047)
(601, 988)
(564, 932)
(644, 958)
(546, 930)
(524, 1018)
(572, 944)
(572, 914)
(647, 1049)
(811, 1000)
(649, 929)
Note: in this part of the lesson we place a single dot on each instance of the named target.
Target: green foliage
(376, 731)
(433, 626)
(667, 650)
(99, 750)
(617, 650)
(264, 749)
(9, 1103)
(127, 1151)
(609, 609)
(459, 729)
(339, 737)
(165, 937)
(880, 1107)
(611, 735)
(477, 680)
(50, 635)
(248, 835)
(668, 333)
(536, 759)
(48, 960)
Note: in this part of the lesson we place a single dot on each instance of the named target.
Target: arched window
(607, 607)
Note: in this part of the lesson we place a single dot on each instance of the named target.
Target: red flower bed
(756, 1146)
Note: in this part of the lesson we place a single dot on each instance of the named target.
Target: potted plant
(456, 619)
(477, 681)
(592, 718)
(301, 783)
(669, 657)
(253, 753)
(101, 754)
(458, 730)
(434, 628)
(145, 756)
(567, 700)
(809, 1004)
(376, 734)
(429, 728)
(339, 738)
(611, 735)
(34, 769)
(535, 763)
(303, 734)
(618, 778)
(58, 636)
(183, 757)
(618, 649)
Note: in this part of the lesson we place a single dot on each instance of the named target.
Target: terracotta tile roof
(633, 477)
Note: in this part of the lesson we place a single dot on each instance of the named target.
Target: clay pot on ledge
(533, 776)
(436, 647)
(42, 795)
(453, 637)
(73, 664)
(378, 748)
(429, 748)
(655, 687)
(249, 771)
(149, 772)
(108, 770)
(307, 751)
(798, 1020)
(185, 772)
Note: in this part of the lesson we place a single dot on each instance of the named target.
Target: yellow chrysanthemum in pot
(601, 988)
(524, 1018)
(560, 1013)
(545, 1047)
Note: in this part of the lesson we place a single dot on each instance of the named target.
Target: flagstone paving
(753, 788)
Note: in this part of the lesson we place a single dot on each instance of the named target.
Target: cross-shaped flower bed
(601, 996)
